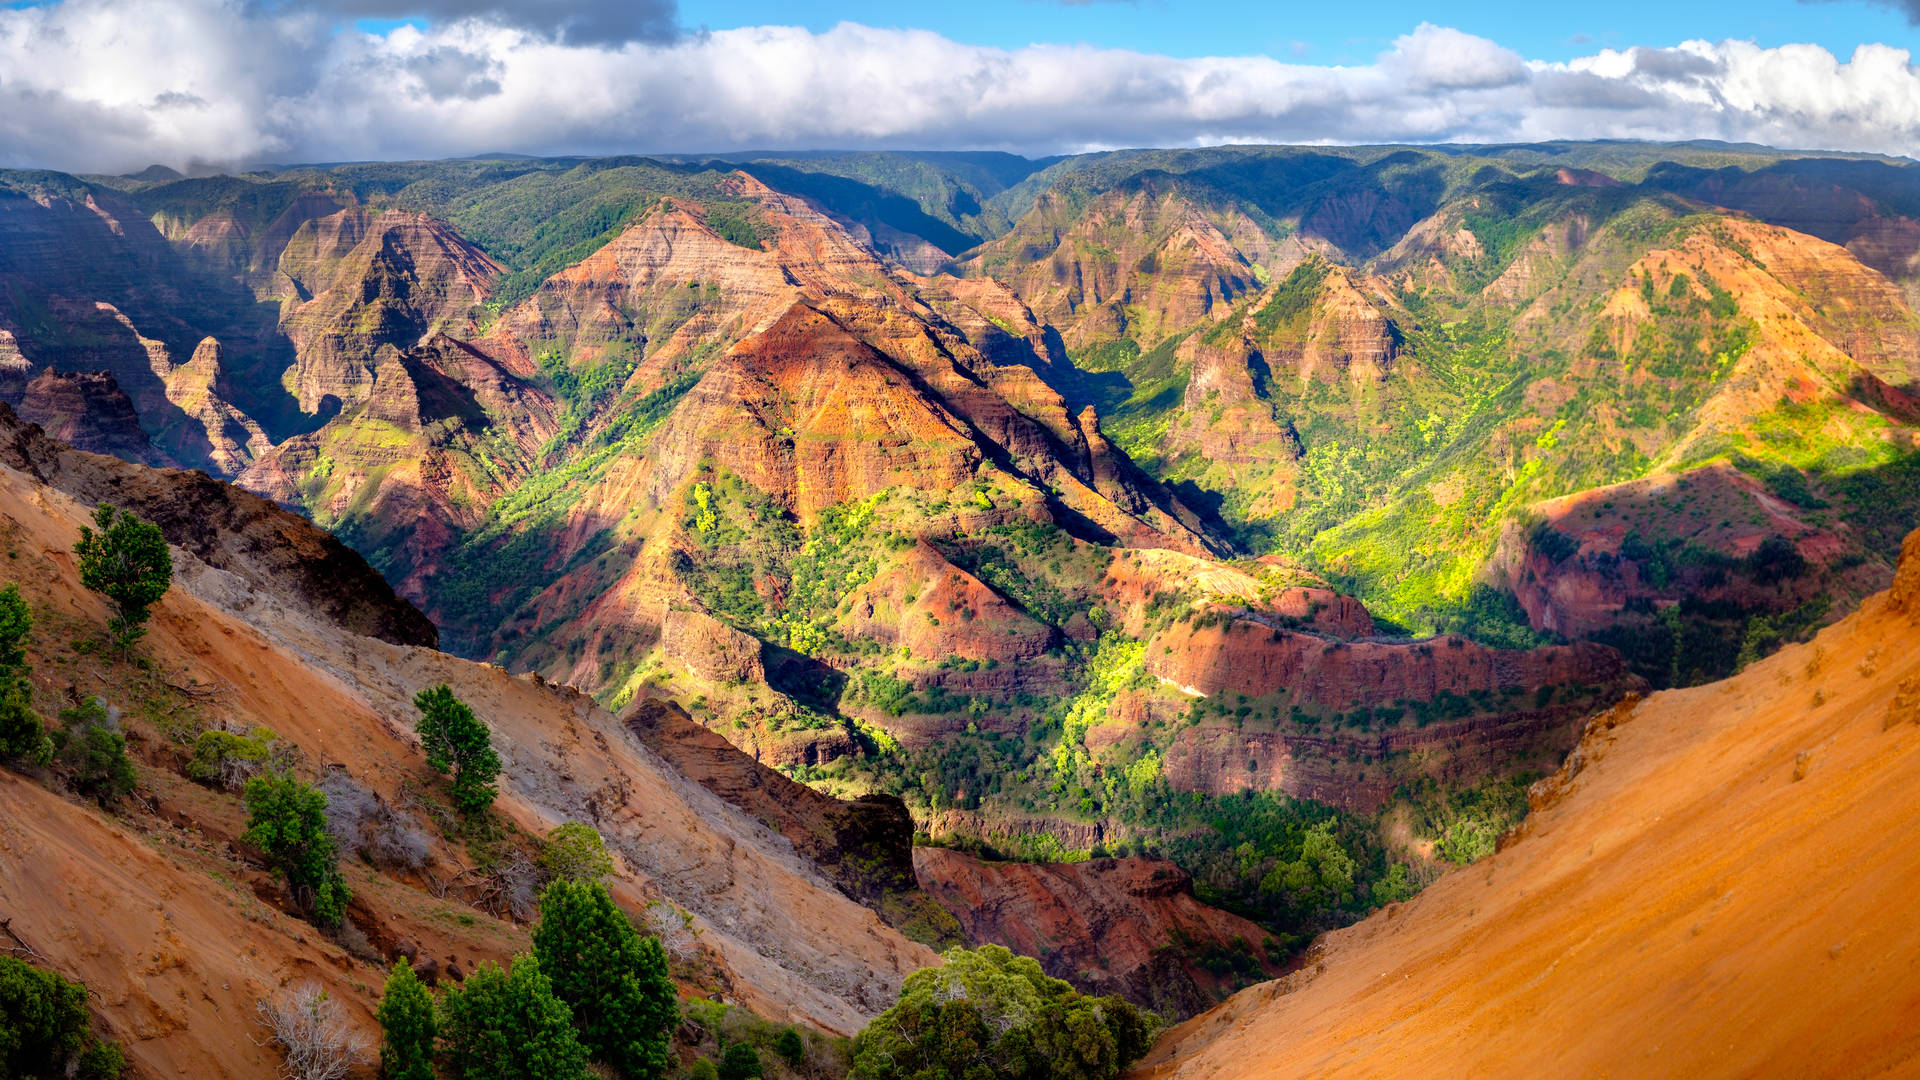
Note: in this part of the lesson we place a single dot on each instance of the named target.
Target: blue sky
(114, 85)
(1336, 32)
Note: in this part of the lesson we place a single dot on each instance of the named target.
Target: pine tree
(128, 562)
(614, 980)
(457, 742)
(501, 1026)
(409, 1026)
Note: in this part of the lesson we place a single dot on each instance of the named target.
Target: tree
(740, 1062)
(408, 1026)
(575, 852)
(287, 820)
(788, 1045)
(94, 752)
(988, 1013)
(614, 980)
(457, 742)
(23, 736)
(501, 1026)
(128, 562)
(44, 1028)
(306, 1023)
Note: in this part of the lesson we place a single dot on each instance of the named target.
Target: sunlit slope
(1719, 883)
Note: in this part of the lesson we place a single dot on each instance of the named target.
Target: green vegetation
(457, 742)
(227, 760)
(287, 821)
(575, 852)
(987, 1012)
(614, 981)
(509, 1025)
(45, 1031)
(127, 561)
(740, 1062)
(408, 1026)
(23, 736)
(91, 749)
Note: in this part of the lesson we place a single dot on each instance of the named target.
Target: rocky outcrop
(710, 648)
(864, 846)
(1687, 819)
(1130, 927)
(277, 553)
(937, 610)
(357, 281)
(1144, 260)
(88, 412)
(1208, 657)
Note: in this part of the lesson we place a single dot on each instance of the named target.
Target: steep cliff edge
(182, 931)
(1130, 927)
(1717, 883)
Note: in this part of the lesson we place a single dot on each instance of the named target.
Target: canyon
(1067, 556)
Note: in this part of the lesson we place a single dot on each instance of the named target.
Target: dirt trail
(1721, 883)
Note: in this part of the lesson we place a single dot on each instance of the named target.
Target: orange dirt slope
(1721, 882)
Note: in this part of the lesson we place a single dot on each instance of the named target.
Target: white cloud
(118, 84)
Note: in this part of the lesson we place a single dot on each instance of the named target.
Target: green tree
(457, 742)
(408, 1026)
(128, 562)
(23, 736)
(44, 1028)
(988, 1013)
(740, 1062)
(575, 852)
(287, 820)
(501, 1026)
(613, 979)
(94, 752)
(788, 1045)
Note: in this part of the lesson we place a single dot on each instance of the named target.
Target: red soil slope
(1719, 883)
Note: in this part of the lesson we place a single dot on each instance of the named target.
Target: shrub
(615, 982)
(306, 1024)
(575, 852)
(987, 1012)
(127, 561)
(501, 1026)
(362, 824)
(23, 737)
(740, 1062)
(788, 1045)
(287, 820)
(94, 753)
(673, 929)
(457, 742)
(408, 1026)
(227, 761)
(44, 1027)
(703, 1069)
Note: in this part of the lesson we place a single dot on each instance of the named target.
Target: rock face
(1670, 852)
(86, 411)
(1243, 656)
(356, 281)
(864, 846)
(182, 934)
(1143, 260)
(278, 554)
(1129, 927)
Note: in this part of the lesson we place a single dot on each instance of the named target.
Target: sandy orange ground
(1729, 887)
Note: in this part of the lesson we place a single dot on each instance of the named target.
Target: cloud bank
(113, 85)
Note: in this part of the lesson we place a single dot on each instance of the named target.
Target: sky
(115, 85)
